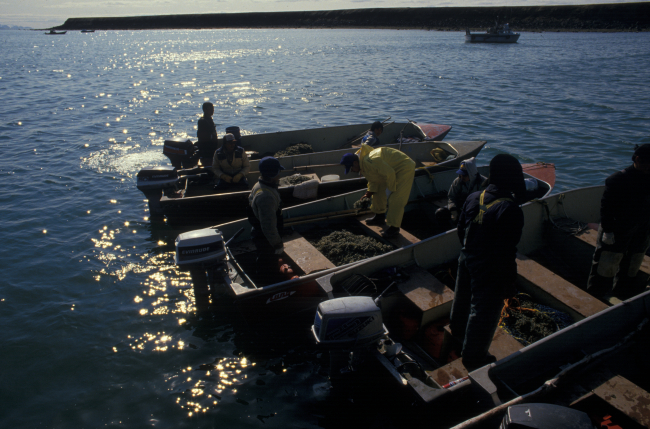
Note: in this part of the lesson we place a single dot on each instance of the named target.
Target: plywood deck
(304, 255)
(401, 240)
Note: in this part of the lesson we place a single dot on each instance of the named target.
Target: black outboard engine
(545, 416)
(153, 182)
(181, 153)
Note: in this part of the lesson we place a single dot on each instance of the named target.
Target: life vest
(222, 155)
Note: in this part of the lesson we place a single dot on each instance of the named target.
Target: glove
(279, 250)
(226, 178)
(454, 217)
(237, 178)
(608, 238)
(368, 194)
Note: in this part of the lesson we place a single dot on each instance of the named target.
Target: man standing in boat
(206, 133)
(230, 165)
(624, 231)
(489, 228)
(385, 169)
(265, 215)
(372, 136)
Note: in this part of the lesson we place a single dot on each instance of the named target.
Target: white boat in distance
(495, 34)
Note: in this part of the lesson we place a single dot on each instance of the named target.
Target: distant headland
(597, 17)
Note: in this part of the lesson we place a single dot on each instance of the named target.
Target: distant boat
(87, 31)
(56, 32)
(496, 34)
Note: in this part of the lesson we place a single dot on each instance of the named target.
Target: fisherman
(372, 136)
(389, 169)
(207, 134)
(468, 181)
(230, 165)
(624, 231)
(265, 215)
(489, 228)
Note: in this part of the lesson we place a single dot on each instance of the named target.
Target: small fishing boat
(155, 182)
(231, 268)
(496, 34)
(197, 203)
(87, 31)
(54, 32)
(404, 334)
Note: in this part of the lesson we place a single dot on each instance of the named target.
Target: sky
(49, 13)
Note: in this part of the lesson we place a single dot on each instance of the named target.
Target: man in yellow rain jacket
(389, 169)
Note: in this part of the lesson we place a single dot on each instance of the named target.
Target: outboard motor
(153, 182)
(544, 416)
(181, 153)
(203, 253)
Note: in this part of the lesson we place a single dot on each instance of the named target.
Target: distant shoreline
(629, 17)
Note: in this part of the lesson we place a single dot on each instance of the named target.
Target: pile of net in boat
(294, 180)
(363, 203)
(528, 321)
(295, 149)
(344, 247)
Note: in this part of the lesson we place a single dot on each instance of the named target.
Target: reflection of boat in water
(54, 32)
(496, 34)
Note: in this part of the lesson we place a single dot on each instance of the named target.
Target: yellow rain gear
(387, 168)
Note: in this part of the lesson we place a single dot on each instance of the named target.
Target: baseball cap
(270, 167)
(348, 160)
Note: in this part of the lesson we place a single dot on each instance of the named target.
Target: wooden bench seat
(552, 290)
(304, 255)
(429, 295)
(401, 240)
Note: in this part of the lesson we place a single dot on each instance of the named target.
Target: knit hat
(642, 151)
(506, 173)
(270, 167)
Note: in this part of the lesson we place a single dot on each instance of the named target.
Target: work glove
(226, 178)
(237, 178)
(368, 194)
(279, 250)
(608, 238)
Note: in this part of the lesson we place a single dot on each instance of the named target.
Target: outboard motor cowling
(181, 153)
(201, 246)
(153, 182)
(544, 416)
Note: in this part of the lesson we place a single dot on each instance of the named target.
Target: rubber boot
(391, 232)
(377, 219)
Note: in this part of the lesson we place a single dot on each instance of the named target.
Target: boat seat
(304, 255)
(502, 345)
(620, 394)
(430, 296)
(549, 289)
(403, 239)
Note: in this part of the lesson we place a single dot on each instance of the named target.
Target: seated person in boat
(265, 215)
(468, 181)
(389, 169)
(230, 165)
(624, 231)
(207, 134)
(489, 229)
(372, 136)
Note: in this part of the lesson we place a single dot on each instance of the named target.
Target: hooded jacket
(381, 167)
(460, 190)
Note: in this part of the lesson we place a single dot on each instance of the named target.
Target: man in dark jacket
(489, 228)
(624, 232)
(207, 134)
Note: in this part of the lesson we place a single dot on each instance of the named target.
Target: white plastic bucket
(330, 178)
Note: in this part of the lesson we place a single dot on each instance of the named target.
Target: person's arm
(216, 165)
(246, 165)
(268, 221)
(454, 192)
(610, 201)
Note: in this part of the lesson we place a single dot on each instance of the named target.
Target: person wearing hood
(624, 231)
(489, 228)
(385, 169)
(265, 215)
(468, 181)
(372, 136)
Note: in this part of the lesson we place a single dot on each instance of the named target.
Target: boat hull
(491, 38)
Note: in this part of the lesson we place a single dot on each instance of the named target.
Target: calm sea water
(100, 330)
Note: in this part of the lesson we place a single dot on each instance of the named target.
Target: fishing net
(344, 247)
(528, 321)
(293, 180)
(295, 149)
(363, 203)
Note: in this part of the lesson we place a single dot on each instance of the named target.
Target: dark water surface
(100, 330)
